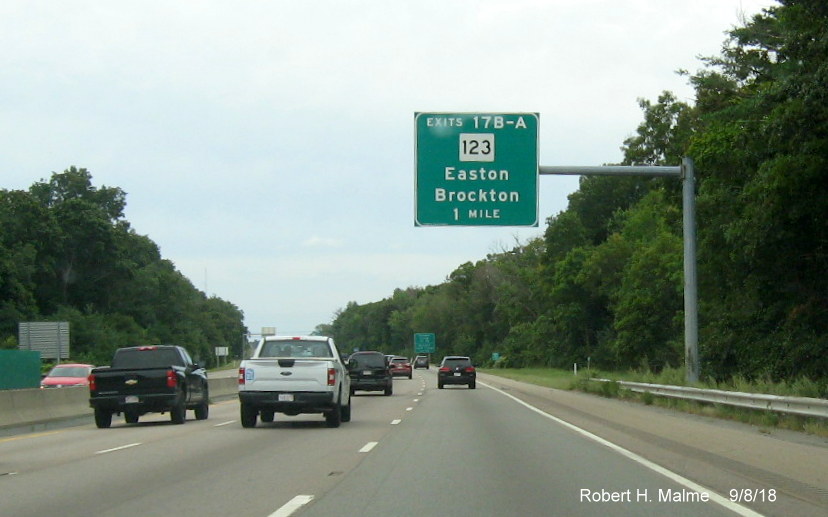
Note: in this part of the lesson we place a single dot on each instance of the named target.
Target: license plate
(457, 374)
(367, 372)
(131, 399)
(285, 397)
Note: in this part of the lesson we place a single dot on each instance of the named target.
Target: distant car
(67, 375)
(369, 371)
(421, 361)
(457, 369)
(400, 367)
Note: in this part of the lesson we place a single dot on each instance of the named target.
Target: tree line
(605, 281)
(68, 254)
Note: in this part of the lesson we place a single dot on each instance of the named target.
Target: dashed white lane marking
(224, 423)
(395, 422)
(368, 446)
(409, 409)
(292, 505)
(122, 447)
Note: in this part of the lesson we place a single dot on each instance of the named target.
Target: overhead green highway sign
(476, 169)
(425, 343)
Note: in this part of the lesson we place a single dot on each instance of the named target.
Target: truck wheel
(389, 390)
(202, 411)
(103, 418)
(248, 416)
(130, 417)
(346, 412)
(178, 414)
(334, 417)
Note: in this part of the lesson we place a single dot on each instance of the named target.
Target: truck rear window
(295, 348)
(147, 358)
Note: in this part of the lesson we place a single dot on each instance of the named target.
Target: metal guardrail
(803, 406)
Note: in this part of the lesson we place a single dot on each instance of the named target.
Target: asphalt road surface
(504, 449)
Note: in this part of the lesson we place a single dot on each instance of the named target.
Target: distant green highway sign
(476, 169)
(425, 343)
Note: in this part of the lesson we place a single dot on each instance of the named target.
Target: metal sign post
(691, 302)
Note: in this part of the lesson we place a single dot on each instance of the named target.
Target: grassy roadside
(764, 420)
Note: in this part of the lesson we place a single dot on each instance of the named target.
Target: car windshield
(399, 360)
(367, 360)
(69, 371)
(460, 361)
(295, 348)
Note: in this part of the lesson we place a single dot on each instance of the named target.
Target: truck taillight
(172, 379)
(331, 377)
(93, 385)
(241, 376)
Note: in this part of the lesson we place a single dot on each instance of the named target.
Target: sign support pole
(691, 297)
(691, 302)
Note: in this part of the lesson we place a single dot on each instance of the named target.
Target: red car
(67, 375)
(400, 367)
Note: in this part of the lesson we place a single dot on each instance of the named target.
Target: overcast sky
(267, 147)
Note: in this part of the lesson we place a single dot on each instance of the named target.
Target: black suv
(456, 369)
(369, 371)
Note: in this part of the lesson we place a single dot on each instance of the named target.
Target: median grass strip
(764, 420)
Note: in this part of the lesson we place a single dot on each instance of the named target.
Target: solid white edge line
(122, 447)
(224, 423)
(714, 496)
(292, 505)
(368, 446)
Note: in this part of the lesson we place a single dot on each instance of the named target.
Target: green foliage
(9, 343)
(67, 254)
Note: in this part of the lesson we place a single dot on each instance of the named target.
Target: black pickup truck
(149, 379)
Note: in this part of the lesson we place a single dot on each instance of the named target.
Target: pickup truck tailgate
(291, 375)
(132, 382)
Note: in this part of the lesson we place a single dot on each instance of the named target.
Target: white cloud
(320, 242)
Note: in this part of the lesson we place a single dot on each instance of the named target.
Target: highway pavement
(502, 449)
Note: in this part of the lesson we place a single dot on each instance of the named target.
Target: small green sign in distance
(476, 169)
(425, 343)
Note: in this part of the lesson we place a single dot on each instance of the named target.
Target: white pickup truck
(293, 375)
